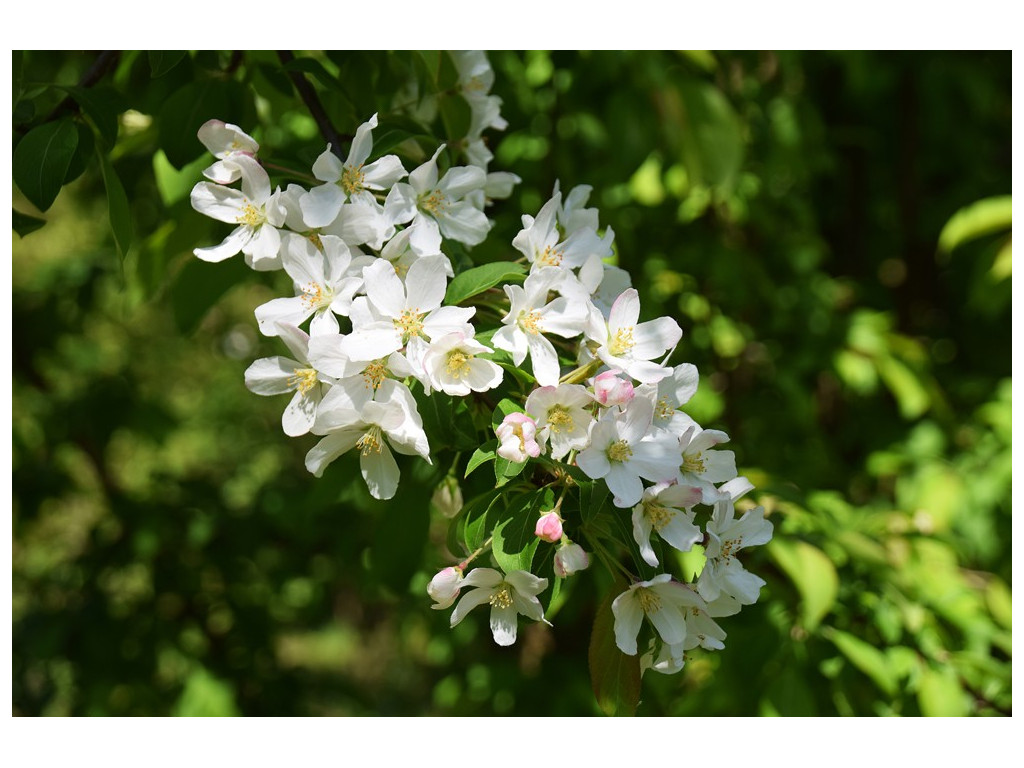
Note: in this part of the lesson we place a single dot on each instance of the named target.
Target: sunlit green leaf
(865, 657)
(118, 209)
(812, 573)
(993, 214)
(479, 279)
(940, 694)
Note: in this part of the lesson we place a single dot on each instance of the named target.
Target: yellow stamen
(374, 374)
(729, 546)
(352, 179)
(550, 257)
(622, 342)
(664, 409)
(315, 296)
(457, 364)
(693, 463)
(619, 451)
(528, 321)
(648, 599)
(433, 203)
(560, 419)
(369, 442)
(502, 598)
(658, 516)
(302, 379)
(410, 323)
(251, 216)
(314, 238)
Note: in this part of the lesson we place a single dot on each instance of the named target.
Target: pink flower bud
(569, 559)
(445, 587)
(549, 527)
(610, 389)
(517, 434)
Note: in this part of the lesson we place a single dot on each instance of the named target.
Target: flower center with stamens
(400, 269)
(409, 323)
(658, 516)
(664, 409)
(619, 451)
(352, 179)
(622, 341)
(729, 546)
(316, 296)
(693, 463)
(374, 374)
(433, 203)
(648, 599)
(369, 442)
(502, 598)
(560, 419)
(528, 321)
(251, 216)
(550, 257)
(314, 238)
(457, 364)
(302, 380)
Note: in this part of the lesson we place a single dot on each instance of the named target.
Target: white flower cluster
(367, 245)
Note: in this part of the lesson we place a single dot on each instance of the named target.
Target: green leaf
(593, 495)
(939, 694)
(477, 519)
(162, 62)
(614, 676)
(812, 573)
(41, 160)
(205, 696)
(317, 70)
(504, 407)
(712, 142)
(189, 107)
(505, 470)
(172, 184)
(200, 285)
(911, 396)
(25, 224)
(478, 279)
(865, 657)
(83, 152)
(481, 455)
(102, 105)
(118, 210)
(514, 543)
(985, 217)
(456, 115)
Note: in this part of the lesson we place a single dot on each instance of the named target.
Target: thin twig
(316, 109)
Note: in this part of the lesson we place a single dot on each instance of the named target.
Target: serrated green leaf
(985, 217)
(189, 107)
(514, 543)
(478, 279)
(25, 224)
(614, 676)
(162, 62)
(481, 455)
(41, 160)
(118, 210)
(812, 573)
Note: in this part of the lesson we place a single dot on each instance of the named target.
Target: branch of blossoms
(588, 439)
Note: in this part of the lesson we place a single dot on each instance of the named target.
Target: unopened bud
(549, 527)
(569, 559)
(445, 587)
(610, 389)
(447, 498)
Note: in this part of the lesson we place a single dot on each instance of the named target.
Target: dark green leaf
(317, 70)
(117, 206)
(514, 543)
(614, 676)
(479, 279)
(41, 161)
(162, 62)
(479, 517)
(503, 409)
(505, 470)
(189, 107)
(25, 224)
(481, 455)
(83, 152)
(593, 495)
(456, 115)
(200, 285)
(713, 144)
(101, 105)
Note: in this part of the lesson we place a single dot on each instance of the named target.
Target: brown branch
(316, 109)
(103, 64)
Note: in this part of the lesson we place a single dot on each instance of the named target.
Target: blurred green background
(832, 232)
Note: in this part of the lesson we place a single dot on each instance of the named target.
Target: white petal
(298, 417)
(330, 448)
(469, 601)
(220, 203)
(503, 625)
(384, 288)
(544, 359)
(327, 166)
(232, 244)
(628, 617)
(383, 173)
(270, 375)
(322, 205)
(290, 311)
(362, 144)
(625, 311)
(380, 471)
(425, 283)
